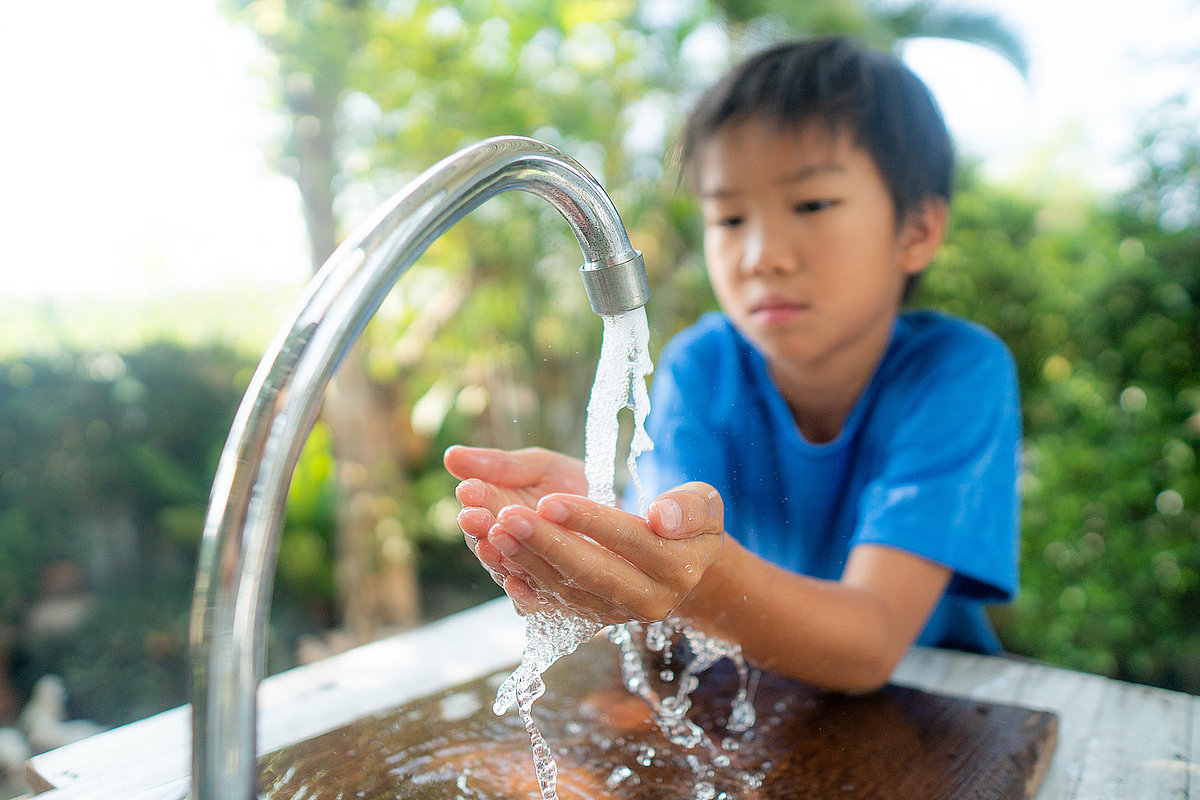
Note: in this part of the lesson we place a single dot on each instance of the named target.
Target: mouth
(776, 310)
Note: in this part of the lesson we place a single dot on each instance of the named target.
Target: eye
(812, 206)
(729, 222)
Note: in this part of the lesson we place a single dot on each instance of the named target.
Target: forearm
(836, 635)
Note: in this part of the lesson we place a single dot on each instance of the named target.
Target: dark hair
(867, 93)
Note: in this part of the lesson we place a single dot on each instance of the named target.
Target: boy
(858, 463)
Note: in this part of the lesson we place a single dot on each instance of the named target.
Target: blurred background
(173, 173)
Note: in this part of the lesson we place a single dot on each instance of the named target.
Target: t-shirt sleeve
(681, 426)
(946, 489)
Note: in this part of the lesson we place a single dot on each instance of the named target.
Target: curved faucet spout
(241, 530)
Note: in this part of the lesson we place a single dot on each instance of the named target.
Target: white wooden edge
(1116, 740)
(150, 759)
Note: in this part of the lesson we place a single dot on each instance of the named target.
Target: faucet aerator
(616, 288)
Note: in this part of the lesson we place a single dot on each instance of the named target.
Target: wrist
(710, 598)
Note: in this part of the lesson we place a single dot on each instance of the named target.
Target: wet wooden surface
(1115, 739)
(896, 744)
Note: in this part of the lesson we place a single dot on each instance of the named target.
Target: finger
(470, 462)
(522, 595)
(665, 570)
(687, 511)
(625, 534)
(474, 493)
(475, 522)
(517, 469)
(503, 467)
(573, 569)
(491, 559)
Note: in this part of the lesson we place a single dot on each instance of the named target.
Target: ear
(922, 233)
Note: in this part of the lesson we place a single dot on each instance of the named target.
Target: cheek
(715, 274)
(719, 261)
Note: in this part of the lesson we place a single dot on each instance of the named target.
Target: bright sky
(1097, 67)
(132, 153)
(131, 148)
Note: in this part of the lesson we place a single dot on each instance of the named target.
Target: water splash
(549, 635)
(670, 712)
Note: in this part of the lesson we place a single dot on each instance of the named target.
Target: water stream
(549, 635)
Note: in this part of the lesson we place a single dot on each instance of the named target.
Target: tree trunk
(375, 573)
(375, 570)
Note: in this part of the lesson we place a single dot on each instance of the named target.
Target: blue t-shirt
(927, 461)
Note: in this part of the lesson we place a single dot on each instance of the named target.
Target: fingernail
(506, 544)
(519, 527)
(670, 515)
(464, 490)
(553, 510)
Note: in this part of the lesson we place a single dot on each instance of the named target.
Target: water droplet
(621, 775)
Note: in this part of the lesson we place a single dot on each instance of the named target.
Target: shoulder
(935, 346)
(708, 367)
(939, 364)
(712, 333)
(710, 346)
(947, 334)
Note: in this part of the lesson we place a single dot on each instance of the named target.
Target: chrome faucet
(241, 530)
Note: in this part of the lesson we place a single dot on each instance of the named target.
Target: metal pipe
(241, 531)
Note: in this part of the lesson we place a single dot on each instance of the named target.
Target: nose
(768, 248)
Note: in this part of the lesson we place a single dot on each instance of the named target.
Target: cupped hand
(602, 562)
(493, 479)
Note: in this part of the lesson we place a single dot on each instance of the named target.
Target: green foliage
(1113, 576)
(99, 440)
(105, 465)
(305, 568)
(106, 462)
(1104, 321)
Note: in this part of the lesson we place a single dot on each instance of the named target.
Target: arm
(845, 635)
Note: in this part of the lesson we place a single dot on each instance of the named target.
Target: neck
(822, 396)
(820, 409)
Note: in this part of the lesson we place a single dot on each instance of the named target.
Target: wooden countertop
(1115, 739)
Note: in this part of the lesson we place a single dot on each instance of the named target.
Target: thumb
(689, 510)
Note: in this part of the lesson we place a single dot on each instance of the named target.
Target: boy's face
(802, 245)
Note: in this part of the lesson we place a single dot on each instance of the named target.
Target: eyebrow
(802, 174)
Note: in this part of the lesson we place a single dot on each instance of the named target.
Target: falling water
(549, 635)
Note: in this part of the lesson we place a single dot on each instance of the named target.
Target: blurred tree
(106, 459)
(882, 24)
(314, 45)
(1113, 574)
(375, 93)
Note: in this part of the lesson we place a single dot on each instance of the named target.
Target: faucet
(240, 543)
